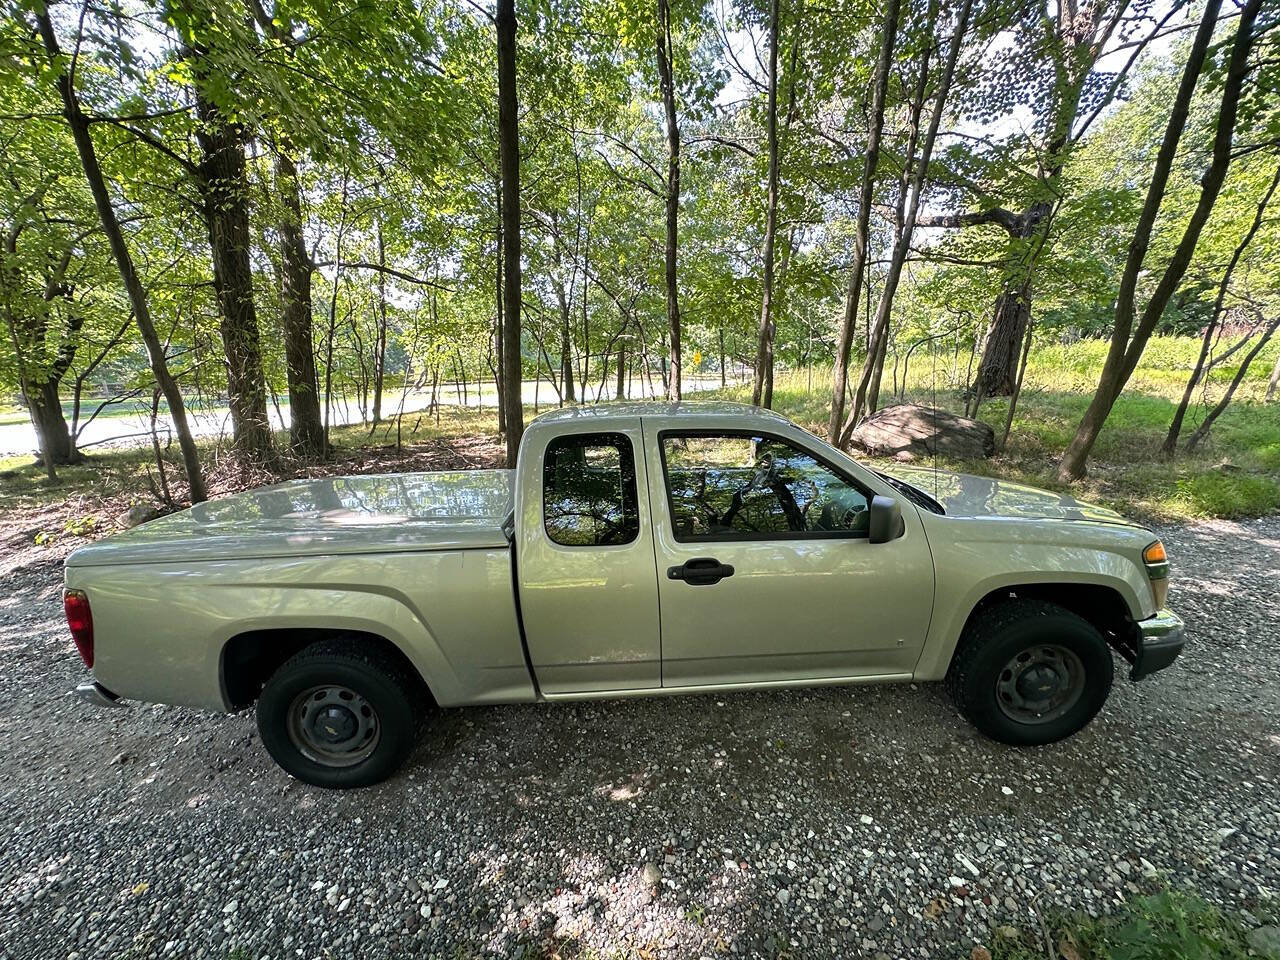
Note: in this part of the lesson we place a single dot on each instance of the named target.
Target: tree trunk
(1274, 382)
(666, 69)
(566, 344)
(79, 125)
(762, 389)
(380, 338)
(844, 343)
(306, 426)
(621, 392)
(1124, 354)
(509, 148)
(50, 425)
(1202, 431)
(720, 337)
(998, 369)
(1206, 343)
(225, 209)
(39, 377)
(497, 323)
(873, 367)
(1017, 390)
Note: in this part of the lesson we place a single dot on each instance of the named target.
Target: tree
(1128, 341)
(1211, 329)
(79, 124)
(912, 186)
(220, 177)
(509, 150)
(861, 239)
(762, 390)
(1051, 68)
(666, 73)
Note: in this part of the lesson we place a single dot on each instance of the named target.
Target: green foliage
(387, 108)
(1170, 925)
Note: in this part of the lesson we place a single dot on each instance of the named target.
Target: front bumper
(1157, 642)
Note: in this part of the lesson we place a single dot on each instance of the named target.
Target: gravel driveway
(825, 823)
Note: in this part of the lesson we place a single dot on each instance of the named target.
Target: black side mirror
(886, 520)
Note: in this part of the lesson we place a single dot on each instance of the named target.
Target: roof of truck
(658, 408)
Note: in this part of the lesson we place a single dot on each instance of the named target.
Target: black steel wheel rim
(333, 725)
(1040, 684)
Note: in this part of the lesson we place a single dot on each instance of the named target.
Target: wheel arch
(249, 658)
(1102, 605)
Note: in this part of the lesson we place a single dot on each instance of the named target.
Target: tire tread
(990, 624)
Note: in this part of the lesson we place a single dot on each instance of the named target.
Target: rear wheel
(340, 714)
(1029, 672)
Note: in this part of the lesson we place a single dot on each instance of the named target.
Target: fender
(1011, 561)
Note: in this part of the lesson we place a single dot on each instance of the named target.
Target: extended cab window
(589, 490)
(741, 487)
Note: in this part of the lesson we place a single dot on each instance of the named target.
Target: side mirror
(886, 520)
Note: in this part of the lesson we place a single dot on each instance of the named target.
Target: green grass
(1166, 926)
(1234, 473)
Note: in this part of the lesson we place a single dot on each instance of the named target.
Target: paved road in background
(132, 429)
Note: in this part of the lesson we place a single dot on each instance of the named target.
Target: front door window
(726, 487)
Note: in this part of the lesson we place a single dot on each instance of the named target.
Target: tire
(1029, 672)
(341, 714)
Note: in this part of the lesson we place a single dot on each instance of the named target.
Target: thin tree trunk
(165, 495)
(1202, 431)
(380, 337)
(79, 125)
(720, 332)
(1175, 427)
(509, 148)
(844, 342)
(1017, 388)
(874, 365)
(666, 69)
(566, 344)
(306, 426)
(1274, 382)
(1124, 353)
(762, 389)
(333, 311)
(621, 392)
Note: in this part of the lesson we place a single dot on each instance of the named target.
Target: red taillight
(80, 620)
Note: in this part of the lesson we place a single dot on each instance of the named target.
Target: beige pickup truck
(635, 550)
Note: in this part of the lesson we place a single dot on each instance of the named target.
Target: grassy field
(1235, 473)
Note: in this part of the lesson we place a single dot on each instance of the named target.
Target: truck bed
(380, 513)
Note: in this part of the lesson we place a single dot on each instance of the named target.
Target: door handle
(700, 571)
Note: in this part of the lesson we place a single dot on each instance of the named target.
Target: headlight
(1157, 563)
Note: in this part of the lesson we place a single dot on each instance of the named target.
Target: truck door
(585, 565)
(766, 571)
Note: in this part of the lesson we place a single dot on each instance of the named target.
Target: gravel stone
(528, 826)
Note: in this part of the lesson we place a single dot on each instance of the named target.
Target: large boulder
(906, 431)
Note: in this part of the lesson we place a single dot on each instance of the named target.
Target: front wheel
(340, 714)
(1029, 672)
